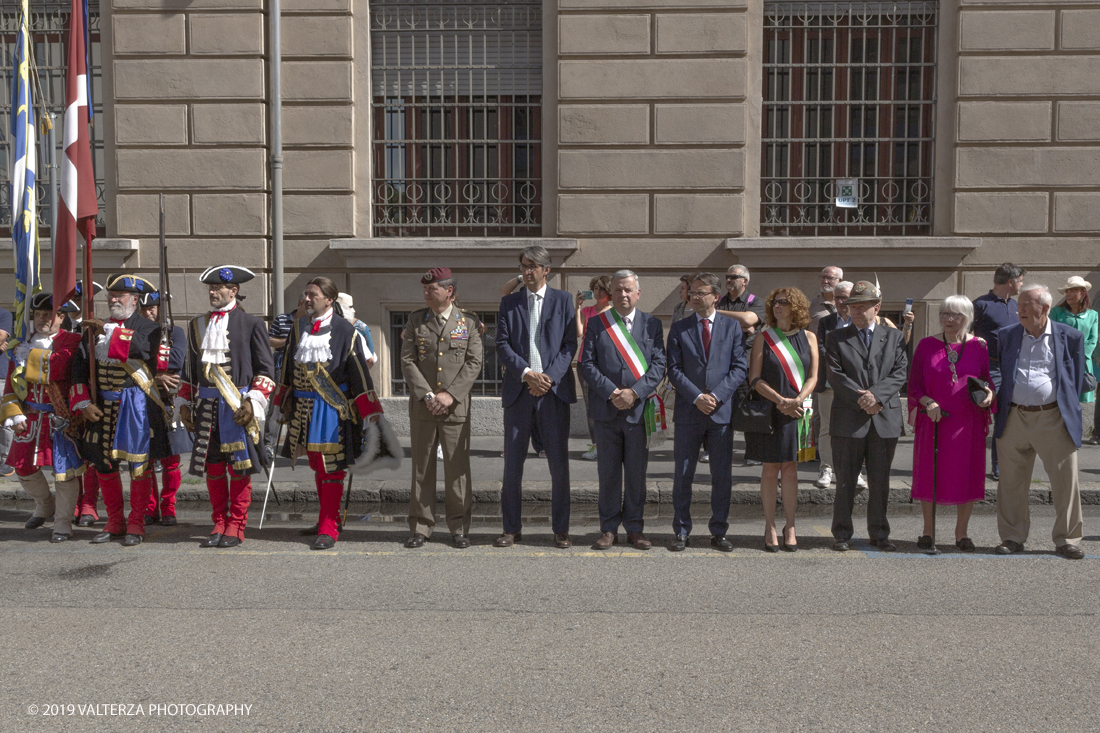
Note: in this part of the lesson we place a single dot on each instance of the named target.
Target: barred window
(48, 22)
(487, 383)
(849, 93)
(456, 93)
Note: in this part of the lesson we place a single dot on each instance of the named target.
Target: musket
(88, 305)
(164, 312)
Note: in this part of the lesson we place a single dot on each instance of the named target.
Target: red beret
(435, 275)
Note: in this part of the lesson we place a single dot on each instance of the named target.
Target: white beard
(120, 312)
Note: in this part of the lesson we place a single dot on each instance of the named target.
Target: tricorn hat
(96, 288)
(129, 284)
(865, 292)
(148, 300)
(227, 275)
(42, 302)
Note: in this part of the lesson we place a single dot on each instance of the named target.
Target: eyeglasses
(840, 298)
(700, 293)
(830, 278)
(950, 316)
(736, 277)
(781, 301)
(529, 268)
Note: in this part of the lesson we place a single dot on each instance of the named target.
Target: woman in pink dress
(938, 394)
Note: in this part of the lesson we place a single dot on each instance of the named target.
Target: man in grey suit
(866, 369)
(623, 361)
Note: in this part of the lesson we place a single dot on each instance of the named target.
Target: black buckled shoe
(323, 542)
(719, 542)
(34, 522)
(212, 540)
(228, 541)
(417, 540)
(103, 537)
(132, 540)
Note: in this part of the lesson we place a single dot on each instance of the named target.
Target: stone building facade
(646, 150)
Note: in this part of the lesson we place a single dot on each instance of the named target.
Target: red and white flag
(78, 198)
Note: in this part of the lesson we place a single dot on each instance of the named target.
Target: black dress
(782, 445)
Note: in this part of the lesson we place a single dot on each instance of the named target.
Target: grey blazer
(882, 372)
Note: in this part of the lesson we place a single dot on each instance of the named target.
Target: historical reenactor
(126, 417)
(227, 381)
(86, 511)
(162, 503)
(35, 406)
(325, 392)
(441, 355)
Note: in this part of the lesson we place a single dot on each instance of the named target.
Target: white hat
(1075, 282)
(344, 299)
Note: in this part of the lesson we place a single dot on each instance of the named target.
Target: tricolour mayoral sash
(796, 375)
(654, 411)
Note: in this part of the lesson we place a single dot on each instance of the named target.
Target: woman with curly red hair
(783, 369)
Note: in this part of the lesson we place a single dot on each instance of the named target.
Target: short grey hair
(960, 304)
(839, 271)
(845, 285)
(1044, 293)
(537, 254)
(740, 270)
(709, 279)
(622, 274)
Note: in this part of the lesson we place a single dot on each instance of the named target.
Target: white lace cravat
(535, 312)
(314, 347)
(215, 342)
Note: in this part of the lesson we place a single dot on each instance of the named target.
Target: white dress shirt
(1035, 373)
(534, 303)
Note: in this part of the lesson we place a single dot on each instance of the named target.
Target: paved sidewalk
(296, 486)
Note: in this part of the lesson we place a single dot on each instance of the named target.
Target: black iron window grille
(48, 22)
(849, 93)
(487, 383)
(456, 93)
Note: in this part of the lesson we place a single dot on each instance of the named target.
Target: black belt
(1036, 408)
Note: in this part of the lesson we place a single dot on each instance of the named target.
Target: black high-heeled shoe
(769, 548)
(787, 546)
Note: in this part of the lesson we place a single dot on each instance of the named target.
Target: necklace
(953, 357)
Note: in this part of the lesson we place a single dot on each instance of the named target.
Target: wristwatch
(429, 397)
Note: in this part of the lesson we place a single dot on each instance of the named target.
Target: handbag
(754, 414)
(180, 441)
(977, 387)
(1089, 382)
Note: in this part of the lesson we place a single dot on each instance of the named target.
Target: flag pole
(277, 157)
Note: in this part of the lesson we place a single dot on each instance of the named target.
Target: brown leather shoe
(606, 540)
(508, 539)
(562, 541)
(639, 541)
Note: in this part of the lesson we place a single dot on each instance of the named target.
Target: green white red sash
(654, 411)
(795, 372)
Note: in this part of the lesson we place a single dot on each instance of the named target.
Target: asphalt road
(373, 637)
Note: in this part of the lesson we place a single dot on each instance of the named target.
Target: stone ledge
(403, 253)
(108, 253)
(896, 251)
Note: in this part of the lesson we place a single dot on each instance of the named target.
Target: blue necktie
(865, 333)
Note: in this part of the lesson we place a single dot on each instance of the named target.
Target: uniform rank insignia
(460, 330)
(422, 347)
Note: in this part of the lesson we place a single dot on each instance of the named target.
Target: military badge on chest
(460, 330)
(421, 348)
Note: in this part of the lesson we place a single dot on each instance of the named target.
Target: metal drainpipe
(277, 157)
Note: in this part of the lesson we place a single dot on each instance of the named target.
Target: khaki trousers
(1026, 435)
(824, 441)
(61, 509)
(457, 477)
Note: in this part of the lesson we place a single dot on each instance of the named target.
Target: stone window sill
(813, 252)
(413, 252)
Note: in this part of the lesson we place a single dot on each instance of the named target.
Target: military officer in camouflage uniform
(440, 359)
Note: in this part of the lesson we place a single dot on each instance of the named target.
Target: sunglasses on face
(735, 277)
(781, 301)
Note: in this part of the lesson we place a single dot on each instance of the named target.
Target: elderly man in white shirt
(1038, 413)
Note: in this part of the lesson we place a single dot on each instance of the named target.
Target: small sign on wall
(847, 193)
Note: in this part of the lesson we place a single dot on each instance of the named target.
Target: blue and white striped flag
(24, 214)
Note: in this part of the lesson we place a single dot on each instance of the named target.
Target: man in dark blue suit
(706, 365)
(536, 343)
(623, 361)
(1038, 413)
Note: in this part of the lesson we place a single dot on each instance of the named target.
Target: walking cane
(935, 476)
